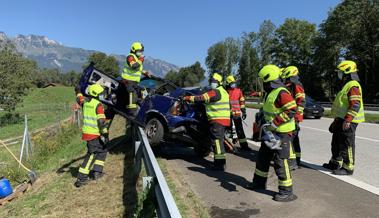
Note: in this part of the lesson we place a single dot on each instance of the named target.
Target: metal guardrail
(166, 205)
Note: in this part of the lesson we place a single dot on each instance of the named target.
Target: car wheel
(154, 131)
(317, 117)
(202, 151)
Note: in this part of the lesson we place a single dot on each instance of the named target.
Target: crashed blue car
(164, 115)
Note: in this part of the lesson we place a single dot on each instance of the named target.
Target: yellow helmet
(217, 77)
(230, 79)
(347, 67)
(289, 72)
(269, 73)
(137, 46)
(95, 90)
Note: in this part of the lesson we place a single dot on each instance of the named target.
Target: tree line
(351, 31)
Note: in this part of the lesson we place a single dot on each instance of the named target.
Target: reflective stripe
(99, 162)
(219, 109)
(292, 154)
(287, 169)
(349, 166)
(218, 147)
(271, 111)
(86, 170)
(90, 117)
(234, 101)
(261, 173)
(285, 183)
(242, 140)
(219, 156)
(298, 154)
(131, 74)
(340, 105)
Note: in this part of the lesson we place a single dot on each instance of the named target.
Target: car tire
(154, 131)
(201, 151)
(317, 117)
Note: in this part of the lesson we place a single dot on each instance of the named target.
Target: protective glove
(104, 138)
(142, 58)
(345, 125)
(244, 115)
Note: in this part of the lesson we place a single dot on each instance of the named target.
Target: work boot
(285, 197)
(293, 164)
(343, 172)
(330, 166)
(81, 182)
(219, 165)
(298, 161)
(97, 175)
(256, 186)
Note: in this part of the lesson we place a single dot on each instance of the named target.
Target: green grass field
(42, 107)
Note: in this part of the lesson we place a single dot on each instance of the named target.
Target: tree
(265, 42)
(107, 64)
(223, 57)
(187, 76)
(351, 31)
(294, 45)
(16, 75)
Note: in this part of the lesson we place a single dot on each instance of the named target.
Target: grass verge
(370, 118)
(42, 106)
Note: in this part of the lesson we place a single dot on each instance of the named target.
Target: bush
(10, 118)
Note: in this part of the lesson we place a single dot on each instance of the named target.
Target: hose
(14, 156)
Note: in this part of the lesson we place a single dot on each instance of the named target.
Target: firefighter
(279, 109)
(79, 96)
(131, 75)
(347, 110)
(217, 107)
(290, 76)
(237, 103)
(95, 132)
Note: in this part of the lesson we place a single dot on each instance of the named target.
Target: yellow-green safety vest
(131, 74)
(219, 109)
(341, 103)
(271, 111)
(90, 117)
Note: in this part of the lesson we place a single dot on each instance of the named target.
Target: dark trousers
(128, 95)
(281, 165)
(343, 145)
(237, 120)
(217, 133)
(296, 145)
(94, 159)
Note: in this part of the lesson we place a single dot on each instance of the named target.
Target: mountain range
(52, 54)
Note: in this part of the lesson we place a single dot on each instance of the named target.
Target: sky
(177, 31)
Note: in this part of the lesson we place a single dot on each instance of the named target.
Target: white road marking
(323, 130)
(346, 179)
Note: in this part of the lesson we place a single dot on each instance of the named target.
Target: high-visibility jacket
(90, 117)
(341, 104)
(271, 111)
(219, 109)
(237, 100)
(132, 74)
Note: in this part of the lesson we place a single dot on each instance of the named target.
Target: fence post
(26, 142)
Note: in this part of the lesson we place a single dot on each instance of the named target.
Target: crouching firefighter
(131, 76)
(348, 112)
(95, 132)
(279, 109)
(237, 103)
(217, 107)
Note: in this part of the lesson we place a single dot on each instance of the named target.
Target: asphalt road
(319, 194)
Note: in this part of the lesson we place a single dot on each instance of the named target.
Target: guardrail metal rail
(167, 207)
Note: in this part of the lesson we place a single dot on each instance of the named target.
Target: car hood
(186, 91)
